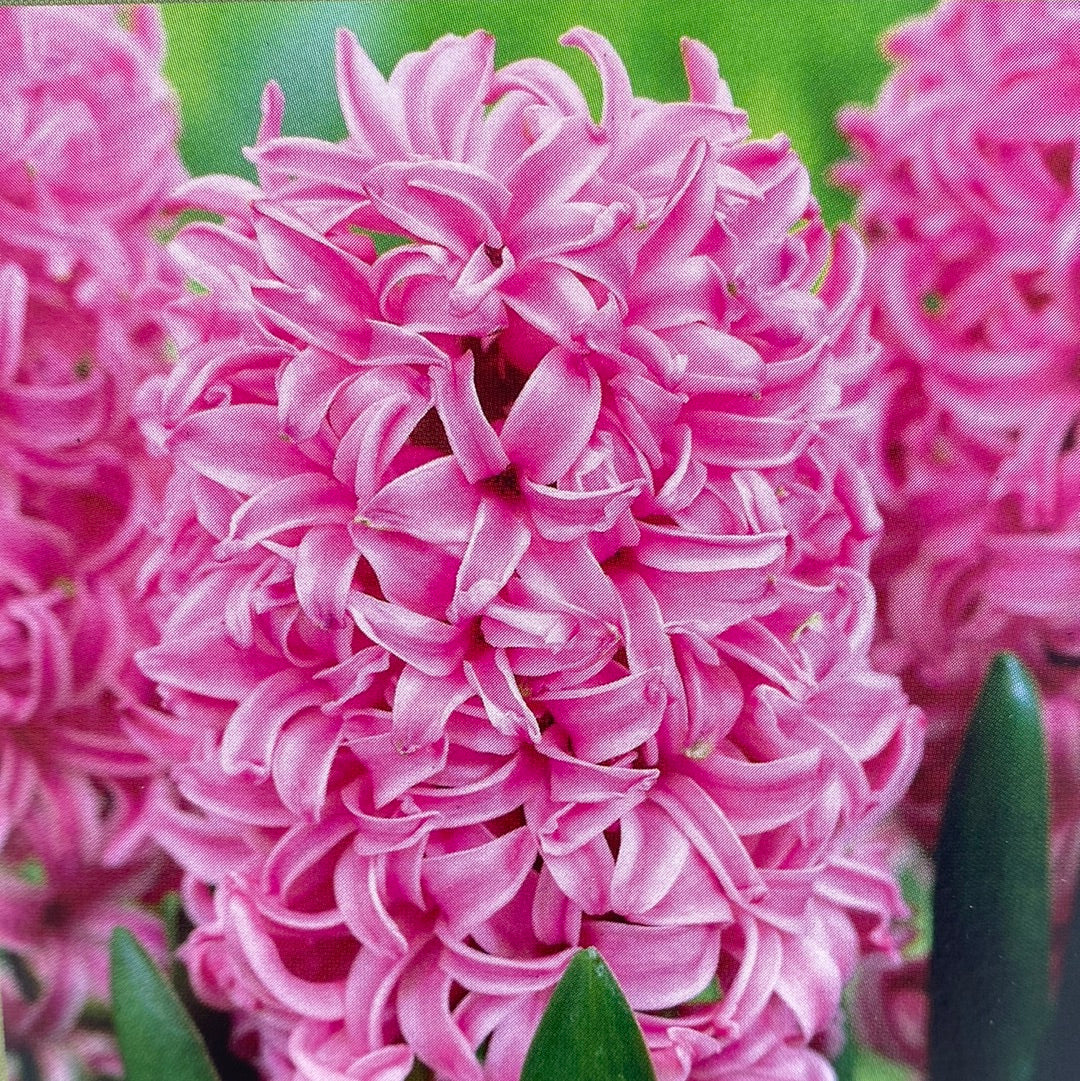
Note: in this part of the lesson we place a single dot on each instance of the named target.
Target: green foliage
(791, 66)
(1061, 1051)
(588, 1031)
(990, 958)
(155, 1035)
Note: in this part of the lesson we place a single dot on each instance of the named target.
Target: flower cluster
(512, 587)
(966, 174)
(87, 154)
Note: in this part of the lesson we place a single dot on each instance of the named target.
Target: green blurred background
(790, 63)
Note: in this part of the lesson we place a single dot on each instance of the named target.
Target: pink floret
(966, 176)
(512, 584)
(87, 151)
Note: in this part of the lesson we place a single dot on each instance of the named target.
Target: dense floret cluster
(512, 589)
(87, 153)
(966, 173)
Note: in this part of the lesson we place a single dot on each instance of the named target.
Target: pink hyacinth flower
(965, 172)
(512, 583)
(87, 151)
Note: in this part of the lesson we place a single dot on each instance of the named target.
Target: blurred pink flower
(965, 172)
(87, 152)
(88, 139)
(512, 582)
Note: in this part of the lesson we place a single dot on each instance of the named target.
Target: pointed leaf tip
(155, 1035)
(588, 1031)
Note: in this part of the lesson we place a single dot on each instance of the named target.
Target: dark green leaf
(989, 963)
(1061, 1052)
(156, 1037)
(588, 1032)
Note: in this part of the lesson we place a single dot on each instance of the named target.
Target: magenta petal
(671, 549)
(249, 932)
(709, 831)
(300, 849)
(181, 662)
(325, 564)
(422, 706)
(392, 772)
(746, 442)
(566, 515)
(433, 647)
(553, 300)
(452, 205)
(359, 888)
(307, 317)
(301, 258)
(553, 418)
(503, 975)
(618, 94)
(304, 755)
(411, 573)
(446, 88)
(210, 254)
(607, 721)
(490, 675)
(583, 874)
(760, 796)
(306, 387)
(372, 111)
(471, 885)
(500, 538)
(13, 293)
(239, 446)
(657, 967)
(433, 503)
(476, 447)
(248, 741)
(497, 793)
(423, 1012)
(302, 500)
(556, 167)
(652, 853)
(810, 1000)
(210, 846)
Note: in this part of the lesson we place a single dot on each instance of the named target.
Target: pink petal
(500, 538)
(553, 418)
(476, 446)
(433, 647)
(248, 741)
(471, 885)
(239, 446)
(434, 503)
(372, 111)
(490, 676)
(657, 967)
(609, 720)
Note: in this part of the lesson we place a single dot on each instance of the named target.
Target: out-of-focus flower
(966, 174)
(88, 139)
(87, 152)
(512, 583)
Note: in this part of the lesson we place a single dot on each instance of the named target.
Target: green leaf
(1061, 1052)
(588, 1031)
(156, 1037)
(990, 958)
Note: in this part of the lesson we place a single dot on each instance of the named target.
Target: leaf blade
(588, 1031)
(989, 983)
(155, 1035)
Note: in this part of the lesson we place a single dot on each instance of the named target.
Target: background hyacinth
(87, 152)
(512, 589)
(966, 176)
